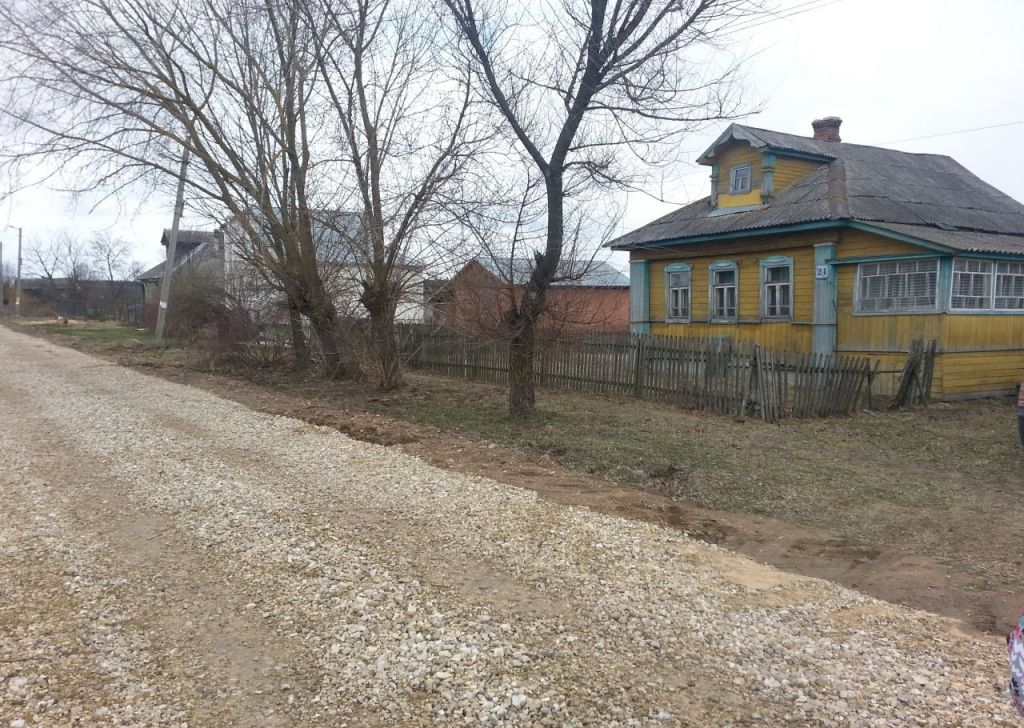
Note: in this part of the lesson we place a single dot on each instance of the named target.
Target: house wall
(475, 301)
(739, 153)
(794, 335)
(789, 170)
(979, 353)
(786, 171)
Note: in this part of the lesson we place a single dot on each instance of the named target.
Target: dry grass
(947, 482)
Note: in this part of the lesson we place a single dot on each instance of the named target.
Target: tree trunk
(383, 338)
(522, 321)
(384, 342)
(323, 318)
(521, 394)
(300, 349)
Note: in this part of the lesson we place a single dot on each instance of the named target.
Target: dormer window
(739, 179)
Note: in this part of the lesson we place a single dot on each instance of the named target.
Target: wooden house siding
(831, 208)
(792, 335)
(859, 244)
(981, 373)
(789, 170)
(739, 154)
(978, 353)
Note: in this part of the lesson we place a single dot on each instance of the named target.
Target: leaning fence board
(712, 374)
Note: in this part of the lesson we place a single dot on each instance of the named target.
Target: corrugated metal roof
(587, 273)
(861, 183)
(183, 253)
(190, 237)
(967, 242)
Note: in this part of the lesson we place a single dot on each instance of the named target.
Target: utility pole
(172, 245)
(2, 306)
(17, 279)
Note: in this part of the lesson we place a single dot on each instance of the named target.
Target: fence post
(638, 373)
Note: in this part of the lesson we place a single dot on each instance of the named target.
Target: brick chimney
(827, 129)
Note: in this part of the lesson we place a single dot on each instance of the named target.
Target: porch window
(677, 292)
(972, 284)
(777, 289)
(724, 278)
(1009, 286)
(739, 179)
(896, 286)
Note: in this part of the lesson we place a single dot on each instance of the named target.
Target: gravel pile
(215, 566)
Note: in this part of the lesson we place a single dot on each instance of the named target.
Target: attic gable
(927, 198)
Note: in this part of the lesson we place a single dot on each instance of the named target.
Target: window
(985, 285)
(777, 291)
(1009, 286)
(972, 284)
(897, 285)
(677, 292)
(723, 292)
(739, 178)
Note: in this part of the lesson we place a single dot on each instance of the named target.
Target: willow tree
(111, 92)
(593, 92)
(402, 115)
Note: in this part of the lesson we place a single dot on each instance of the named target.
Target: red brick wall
(475, 302)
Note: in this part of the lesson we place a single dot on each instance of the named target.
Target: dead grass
(947, 482)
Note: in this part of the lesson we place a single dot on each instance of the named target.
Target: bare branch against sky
(591, 92)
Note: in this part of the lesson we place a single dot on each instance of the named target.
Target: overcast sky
(894, 70)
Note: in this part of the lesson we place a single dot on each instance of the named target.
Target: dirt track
(169, 557)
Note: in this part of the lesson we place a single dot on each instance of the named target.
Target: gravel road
(169, 558)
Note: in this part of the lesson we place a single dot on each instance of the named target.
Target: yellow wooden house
(811, 244)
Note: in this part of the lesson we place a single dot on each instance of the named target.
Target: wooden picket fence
(713, 374)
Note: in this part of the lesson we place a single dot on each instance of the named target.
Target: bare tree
(110, 260)
(75, 265)
(45, 259)
(407, 134)
(113, 90)
(584, 86)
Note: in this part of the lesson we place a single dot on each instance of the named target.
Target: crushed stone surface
(169, 558)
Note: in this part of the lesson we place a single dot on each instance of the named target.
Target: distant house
(589, 296)
(811, 244)
(342, 265)
(198, 254)
(118, 300)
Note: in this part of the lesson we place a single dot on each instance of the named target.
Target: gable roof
(584, 274)
(930, 197)
(338, 236)
(193, 245)
(189, 238)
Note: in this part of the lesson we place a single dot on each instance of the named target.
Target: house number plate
(821, 272)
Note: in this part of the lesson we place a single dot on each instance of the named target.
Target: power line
(951, 133)
(799, 9)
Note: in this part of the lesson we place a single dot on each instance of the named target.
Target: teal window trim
(734, 173)
(716, 267)
(775, 261)
(669, 270)
(640, 296)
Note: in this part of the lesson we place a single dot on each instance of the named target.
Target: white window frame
(891, 281)
(997, 271)
(774, 263)
(684, 271)
(734, 171)
(1019, 273)
(983, 273)
(723, 266)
